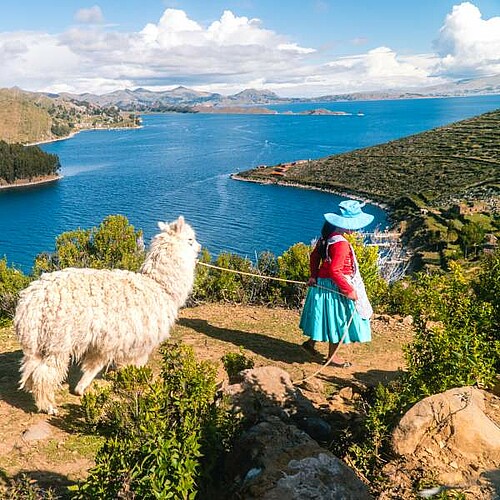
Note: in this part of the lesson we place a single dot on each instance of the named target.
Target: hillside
(27, 117)
(435, 182)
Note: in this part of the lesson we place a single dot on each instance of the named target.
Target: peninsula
(441, 186)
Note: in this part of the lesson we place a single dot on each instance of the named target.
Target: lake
(180, 164)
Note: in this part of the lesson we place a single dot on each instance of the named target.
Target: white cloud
(93, 15)
(233, 53)
(468, 44)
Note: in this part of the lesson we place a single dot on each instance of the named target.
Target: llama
(98, 316)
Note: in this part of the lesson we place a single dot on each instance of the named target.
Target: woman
(336, 308)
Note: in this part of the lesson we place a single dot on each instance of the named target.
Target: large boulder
(274, 460)
(451, 434)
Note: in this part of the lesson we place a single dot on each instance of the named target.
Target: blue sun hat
(349, 216)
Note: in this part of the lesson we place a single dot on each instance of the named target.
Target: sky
(296, 48)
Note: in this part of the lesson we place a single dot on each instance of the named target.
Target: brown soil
(268, 336)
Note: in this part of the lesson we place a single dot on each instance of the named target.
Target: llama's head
(172, 256)
(182, 233)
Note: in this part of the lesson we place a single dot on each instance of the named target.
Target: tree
(471, 235)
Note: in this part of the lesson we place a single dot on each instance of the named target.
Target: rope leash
(262, 276)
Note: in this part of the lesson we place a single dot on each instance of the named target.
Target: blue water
(180, 164)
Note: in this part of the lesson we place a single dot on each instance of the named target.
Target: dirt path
(60, 454)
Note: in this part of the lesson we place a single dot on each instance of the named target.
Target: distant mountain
(147, 100)
(144, 100)
(469, 86)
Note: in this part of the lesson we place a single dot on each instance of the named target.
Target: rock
(37, 432)
(315, 427)
(386, 318)
(407, 320)
(268, 390)
(324, 477)
(313, 385)
(346, 393)
(455, 417)
(290, 465)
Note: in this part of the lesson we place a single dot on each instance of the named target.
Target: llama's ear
(179, 224)
(163, 226)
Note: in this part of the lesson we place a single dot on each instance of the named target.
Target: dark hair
(326, 231)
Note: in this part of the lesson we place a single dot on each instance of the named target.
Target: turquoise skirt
(326, 314)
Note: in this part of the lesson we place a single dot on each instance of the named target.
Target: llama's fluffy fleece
(100, 317)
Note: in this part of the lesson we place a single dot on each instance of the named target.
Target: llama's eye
(191, 241)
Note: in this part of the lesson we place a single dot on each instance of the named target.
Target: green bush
(235, 362)
(294, 265)
(114, 244)
(25, 488)
(12, 281)
(165, 435)
(488, 289)
(367, 257)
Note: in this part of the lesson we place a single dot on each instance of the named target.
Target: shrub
(235, 362)
(12, 281)
(165, 435)
(231, 287)
(451, 348)
(114, 244)
(25, 488)
(488, 289)
(294, 265)
(367, 257)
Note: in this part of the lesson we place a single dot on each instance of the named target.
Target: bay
(180, 164)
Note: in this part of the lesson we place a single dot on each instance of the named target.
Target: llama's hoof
(52, 410)
(78, 391)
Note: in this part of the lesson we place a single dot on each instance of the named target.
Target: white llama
(98, 316)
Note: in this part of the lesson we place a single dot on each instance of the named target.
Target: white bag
(363, 305)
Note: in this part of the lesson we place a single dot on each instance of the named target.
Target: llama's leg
(41, 377)
(91, 366)
(141, 361)
(134, 361)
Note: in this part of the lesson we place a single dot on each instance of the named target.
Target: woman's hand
(352, 295)
(311, 282)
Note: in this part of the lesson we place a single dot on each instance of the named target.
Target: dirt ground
(60, 453)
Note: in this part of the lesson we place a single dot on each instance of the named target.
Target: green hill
(455, 161)
(27, 117)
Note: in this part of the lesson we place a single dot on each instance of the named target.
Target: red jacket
(337, 267)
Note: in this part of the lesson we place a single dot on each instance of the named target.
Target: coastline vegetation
(18, 162)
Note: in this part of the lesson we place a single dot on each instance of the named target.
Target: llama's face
(183, 233)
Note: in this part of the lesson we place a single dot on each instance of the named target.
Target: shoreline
(383, 206)
(73, 134)
(26, 183)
